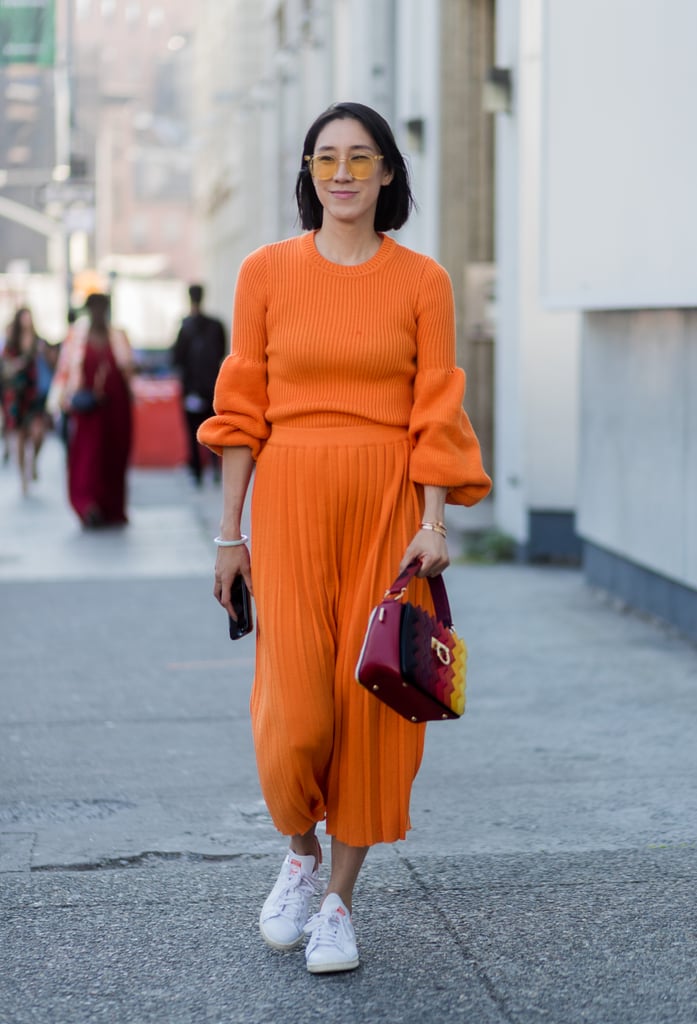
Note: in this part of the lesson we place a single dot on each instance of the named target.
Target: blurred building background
(101, 161)
(552, 159)
(32, 114)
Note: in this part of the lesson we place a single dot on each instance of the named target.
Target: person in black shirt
(197, 354)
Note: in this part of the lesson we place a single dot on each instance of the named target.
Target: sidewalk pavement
(550, 874)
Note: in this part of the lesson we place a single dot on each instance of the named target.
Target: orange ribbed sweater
(319, 344)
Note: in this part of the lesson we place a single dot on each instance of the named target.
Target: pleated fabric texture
(333, 510)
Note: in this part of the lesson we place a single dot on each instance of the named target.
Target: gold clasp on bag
(442, 650)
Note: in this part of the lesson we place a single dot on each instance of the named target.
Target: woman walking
(341, 392)
(24, 390)
(92, 388)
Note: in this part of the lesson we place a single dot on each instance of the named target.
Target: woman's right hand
(231, 562)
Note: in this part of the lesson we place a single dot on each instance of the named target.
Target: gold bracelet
(437, 527)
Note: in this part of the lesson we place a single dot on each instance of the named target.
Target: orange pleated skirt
(332, 513)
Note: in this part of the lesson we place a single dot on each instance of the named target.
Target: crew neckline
(387, 247)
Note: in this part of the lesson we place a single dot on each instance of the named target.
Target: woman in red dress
(99, 438)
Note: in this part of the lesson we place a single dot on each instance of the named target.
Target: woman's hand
(231, 562)
(429, 546)
(431, 549)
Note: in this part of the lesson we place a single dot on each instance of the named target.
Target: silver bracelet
(231, 543)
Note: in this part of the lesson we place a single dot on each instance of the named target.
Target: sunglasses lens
(324, 167)
(361, 166)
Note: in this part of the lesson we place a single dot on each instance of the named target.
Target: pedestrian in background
(92, 387)
(197, 354)
(5, 434)
(342, 392)
(26, 373)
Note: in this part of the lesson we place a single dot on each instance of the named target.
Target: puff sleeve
(445, 449)
(241, 398)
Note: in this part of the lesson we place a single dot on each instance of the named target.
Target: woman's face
(25, 321)
(344, 198)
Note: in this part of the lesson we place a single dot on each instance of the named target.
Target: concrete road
(550, 874)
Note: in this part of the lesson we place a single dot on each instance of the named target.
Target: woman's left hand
(431, 549)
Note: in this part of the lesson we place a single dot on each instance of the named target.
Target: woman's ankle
(307, 846)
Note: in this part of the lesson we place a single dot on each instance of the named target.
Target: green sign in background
(27, 32)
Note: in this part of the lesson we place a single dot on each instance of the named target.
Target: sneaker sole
(283, 947)
(344, 965)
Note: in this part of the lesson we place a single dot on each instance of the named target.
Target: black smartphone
(242, 603)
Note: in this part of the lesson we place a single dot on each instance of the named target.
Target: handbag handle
(438, 591)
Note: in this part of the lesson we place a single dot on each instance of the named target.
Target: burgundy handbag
(411, 660)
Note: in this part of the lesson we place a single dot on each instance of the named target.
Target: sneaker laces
(292, 897)
(325, 927)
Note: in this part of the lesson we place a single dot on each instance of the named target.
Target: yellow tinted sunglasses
(360, 166)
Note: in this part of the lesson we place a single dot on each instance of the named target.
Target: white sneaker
(332, 945)
(287, 906)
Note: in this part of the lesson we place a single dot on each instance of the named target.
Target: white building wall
(619, 165)
(638, 479)
(418, 99)
(550, 340)
(509, 411)
(229, 102)
(620, 154)
(363, 49)
(536, 350)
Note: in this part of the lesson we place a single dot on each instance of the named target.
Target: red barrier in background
(159, 438)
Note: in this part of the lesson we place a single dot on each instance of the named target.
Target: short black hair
(395, 201)
(196, 294)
